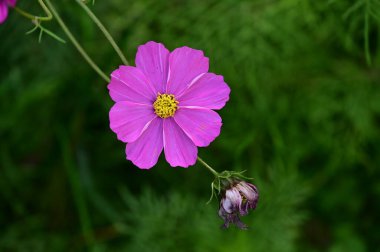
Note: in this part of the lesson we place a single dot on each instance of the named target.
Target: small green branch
(104, 30)
(208, 167)
(32, 17)
(76, 43)
(37, 25)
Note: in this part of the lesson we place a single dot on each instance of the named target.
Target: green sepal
(224, 180)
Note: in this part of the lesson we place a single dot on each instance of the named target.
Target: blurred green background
(303, 120)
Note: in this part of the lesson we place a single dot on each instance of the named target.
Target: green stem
(104, 30)
(75, 42)
(32, 17)
(208, 167)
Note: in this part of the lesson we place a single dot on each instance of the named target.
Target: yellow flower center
(165, 105)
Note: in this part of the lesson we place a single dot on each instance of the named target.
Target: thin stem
(208, 167)
(32, 17)
(75, 42)
(104, 30)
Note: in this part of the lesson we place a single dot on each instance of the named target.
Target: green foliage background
(303, 120)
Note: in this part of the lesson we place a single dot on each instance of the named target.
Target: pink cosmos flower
(166, 103)
(4, 4)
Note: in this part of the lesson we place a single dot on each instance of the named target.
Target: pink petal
(12, 2)
(185, 65)
(209, 91)
(179, 149)
(130, 84)
(153, 59)
(128, 120)
(247, 191)
(3, 12)
(235, 199)
(144, 152)
(201, 125)
(227, 205)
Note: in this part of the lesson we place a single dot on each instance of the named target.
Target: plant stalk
(32, 17)
(104, 30)
(76, 43)
(208, 167)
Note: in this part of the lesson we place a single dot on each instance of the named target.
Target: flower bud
(238, 197)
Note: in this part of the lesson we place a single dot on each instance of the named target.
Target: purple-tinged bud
(237, 199)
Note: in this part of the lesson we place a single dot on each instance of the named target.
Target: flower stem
(32, 17)
(208, 167)
(76, 43)
(104, 30)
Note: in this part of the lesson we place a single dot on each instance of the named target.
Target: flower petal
(3, 12)
(130, 84)
(128, 120)
(179, 149)
(201, 125)
(144, 152)
(226, 204)
(209, 91)
(234, 196)
(153, 59)
(11, 2)
(248, 190)
(229, 216)
(185, 65)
